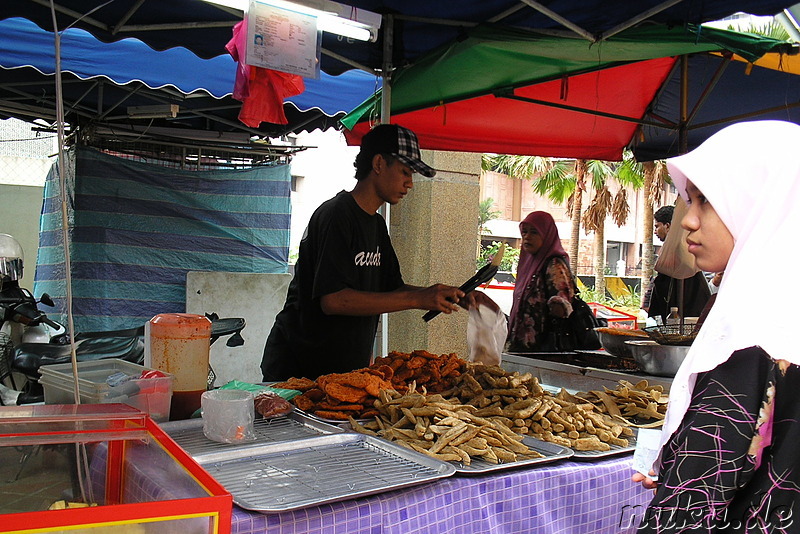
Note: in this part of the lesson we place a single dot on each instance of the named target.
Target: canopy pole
(684, 105)
(386, 74)
(639, 18)
(386, 116)
(549, 13)
(62, 168)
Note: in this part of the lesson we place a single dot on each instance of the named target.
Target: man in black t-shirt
(347, 272)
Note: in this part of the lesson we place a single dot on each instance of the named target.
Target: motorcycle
(29, 340)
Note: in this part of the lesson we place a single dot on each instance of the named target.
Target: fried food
(520, 403)
(332, 414)
(631, 402)
(345, 393)
(340, 407)
(353, 387)
(436, 372)
(304, 403)
(342, 392)
(443, 429)
(298, 384)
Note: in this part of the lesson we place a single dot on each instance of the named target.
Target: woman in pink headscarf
(544, 289)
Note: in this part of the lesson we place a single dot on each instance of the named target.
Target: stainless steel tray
(287, 476)
(296, 425)
(551, 452)
(615, 450)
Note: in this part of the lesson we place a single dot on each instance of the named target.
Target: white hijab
(750, 173)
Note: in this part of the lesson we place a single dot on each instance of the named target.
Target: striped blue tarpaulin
(137, 229)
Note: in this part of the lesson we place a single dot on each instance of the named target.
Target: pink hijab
(531, 264)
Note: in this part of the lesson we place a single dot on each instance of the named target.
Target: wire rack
(290, 475)
(189, 433)
(672, 334)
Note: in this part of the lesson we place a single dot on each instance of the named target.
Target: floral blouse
(544, 297)
(733, 463)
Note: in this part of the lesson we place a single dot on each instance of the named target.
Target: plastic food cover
(124, 450)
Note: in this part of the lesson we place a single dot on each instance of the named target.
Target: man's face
(395, 180)
(661, 230)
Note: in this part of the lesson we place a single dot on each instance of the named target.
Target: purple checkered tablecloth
(561, 498)
(566, 497)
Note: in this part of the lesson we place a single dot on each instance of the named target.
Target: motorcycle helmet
(10, 258)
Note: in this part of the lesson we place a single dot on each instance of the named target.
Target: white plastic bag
(486, 335)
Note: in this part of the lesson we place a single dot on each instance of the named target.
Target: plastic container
(179, 344)
(150, 395)
(228, 415)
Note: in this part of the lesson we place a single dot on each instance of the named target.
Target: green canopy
(493, 60)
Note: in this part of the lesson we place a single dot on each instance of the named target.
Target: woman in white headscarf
(730, 459)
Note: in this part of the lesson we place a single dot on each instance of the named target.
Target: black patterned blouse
(733, 465)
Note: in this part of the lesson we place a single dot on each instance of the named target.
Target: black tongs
(484, 274)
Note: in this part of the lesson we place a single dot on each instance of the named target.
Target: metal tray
(291, 427)
(288, 476)
(551, 452)
(615, 450)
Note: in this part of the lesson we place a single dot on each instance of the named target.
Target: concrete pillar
(434, 230)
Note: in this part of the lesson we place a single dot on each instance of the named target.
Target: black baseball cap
(399, 142)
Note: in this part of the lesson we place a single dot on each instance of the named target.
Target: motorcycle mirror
(46, 300)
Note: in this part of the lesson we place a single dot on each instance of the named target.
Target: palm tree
(564, 183)
(557, 179)
(486, 213)
(627, 173)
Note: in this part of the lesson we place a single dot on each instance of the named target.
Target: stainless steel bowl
(655, 359)
(613, 340)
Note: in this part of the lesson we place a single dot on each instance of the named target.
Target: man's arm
(438, 297)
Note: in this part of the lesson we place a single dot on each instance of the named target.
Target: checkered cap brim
(408, 152)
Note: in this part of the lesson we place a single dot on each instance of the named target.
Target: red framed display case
(115, 446)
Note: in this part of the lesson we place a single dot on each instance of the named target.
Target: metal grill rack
(189, 433)
(287, 476)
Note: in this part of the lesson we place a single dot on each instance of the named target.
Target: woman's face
(709, 239)
(531, 239)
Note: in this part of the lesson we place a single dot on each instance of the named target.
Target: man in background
(662, 293)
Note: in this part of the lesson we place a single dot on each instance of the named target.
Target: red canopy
(493, 124)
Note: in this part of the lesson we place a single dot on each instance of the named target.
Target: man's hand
(440, 297)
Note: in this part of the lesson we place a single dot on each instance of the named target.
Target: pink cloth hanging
(261, 91)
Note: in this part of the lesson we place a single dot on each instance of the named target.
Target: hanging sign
(282, 39)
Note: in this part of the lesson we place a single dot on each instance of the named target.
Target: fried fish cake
(299, 384)
(331, 414)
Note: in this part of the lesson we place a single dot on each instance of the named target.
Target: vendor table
(565, 497)
(569, 497)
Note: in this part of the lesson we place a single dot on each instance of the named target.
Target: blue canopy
(23, 45)
(419, 26)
